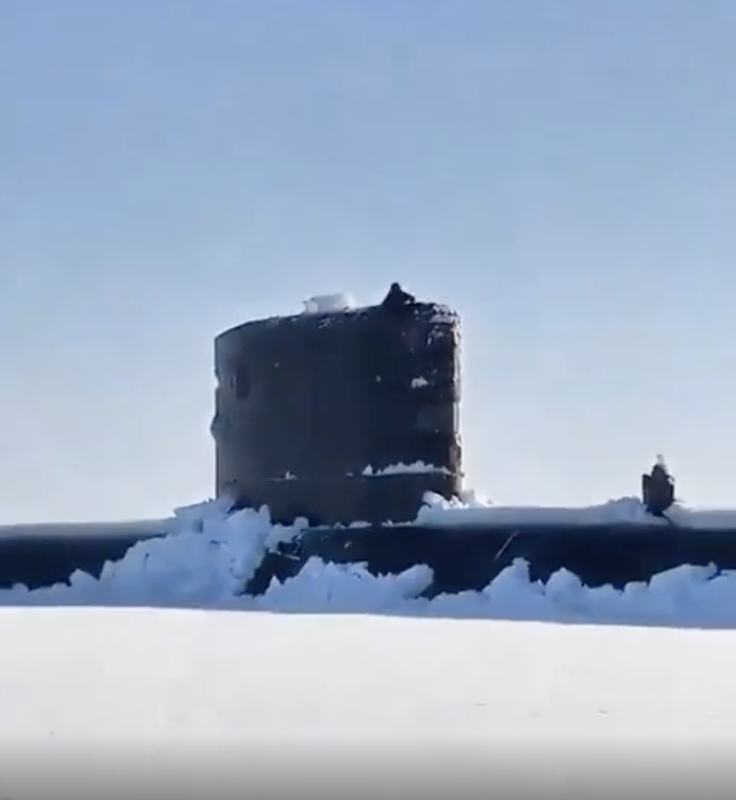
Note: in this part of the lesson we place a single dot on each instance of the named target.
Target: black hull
(43, 558)
(469, 557)
(462, 557)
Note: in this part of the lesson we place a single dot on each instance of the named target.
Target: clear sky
(563, 173)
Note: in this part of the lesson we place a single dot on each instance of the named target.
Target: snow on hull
(211, 555)
(627, 510)
(469, 510)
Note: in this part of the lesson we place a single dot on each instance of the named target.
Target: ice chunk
(329, 303)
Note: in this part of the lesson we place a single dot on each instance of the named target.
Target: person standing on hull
(397, 299)
(658, 490)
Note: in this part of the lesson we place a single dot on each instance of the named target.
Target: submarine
(348, 417)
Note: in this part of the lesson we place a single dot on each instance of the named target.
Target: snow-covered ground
(102, 702)
(168, 651)
(182, 675)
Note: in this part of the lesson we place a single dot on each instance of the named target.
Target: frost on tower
(340, 414)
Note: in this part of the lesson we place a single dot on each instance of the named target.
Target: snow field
(123, 677)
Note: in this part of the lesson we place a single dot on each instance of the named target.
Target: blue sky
(564, 174)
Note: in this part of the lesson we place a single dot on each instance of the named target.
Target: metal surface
(305, 404)
(37, 556)
(463, 557)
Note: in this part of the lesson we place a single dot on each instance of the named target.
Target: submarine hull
(468, 557)
(38, 556)
(462, 557)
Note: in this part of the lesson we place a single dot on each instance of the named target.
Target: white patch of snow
(468, 497)
(191, 680)
(684, 596)
(329, 303)
(287, 476)
(439, 511)
(207, 559)
(344, 588)
(445, 315)
(418, 467)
